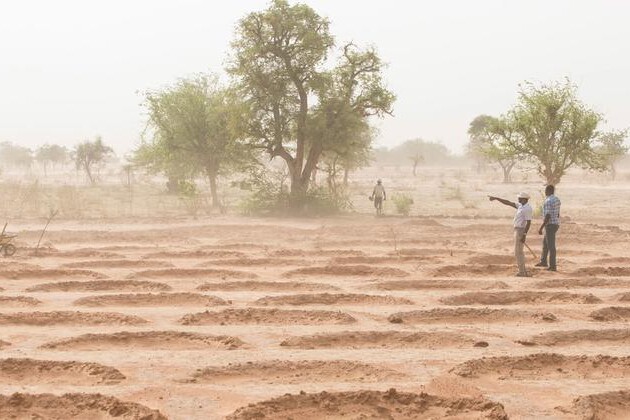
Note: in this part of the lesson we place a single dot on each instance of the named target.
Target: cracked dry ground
(326, 318)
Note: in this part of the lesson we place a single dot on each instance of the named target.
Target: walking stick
(530, 250)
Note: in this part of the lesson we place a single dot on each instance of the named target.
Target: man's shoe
(551, 269)
(523, 275)
(541, 264)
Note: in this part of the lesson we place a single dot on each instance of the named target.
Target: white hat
(523, 195)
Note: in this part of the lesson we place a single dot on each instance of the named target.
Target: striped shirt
(551, 207)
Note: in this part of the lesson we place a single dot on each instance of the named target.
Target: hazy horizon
(72, 70)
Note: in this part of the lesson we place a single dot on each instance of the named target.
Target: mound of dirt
(581, 282)
(467, 315)
(546, 365)
(254, 262)
(4, 344)
(196, 254)
(267, 317)
(366, 260)
(391, 405)
(18, 301)
(101, 285)
(603, 271)
(117, 264)
(193, 272)
(609, 405)
(30, 371)
(264, 286)
(379, 339)
(19, 274)
(492, 259)
(347, 270)
(332, 299)
(316, 253)
(154, 340)
(518, 297)
(612, 260)
(440, 284)
(474, 270)
(84, 406)
(563, 338)
(623, 297)
(151, 299)
(284, 371)
(81, 253)
(613, 313)
(70, 318)
(13, 265)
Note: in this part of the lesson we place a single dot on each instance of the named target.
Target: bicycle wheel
(9, 250)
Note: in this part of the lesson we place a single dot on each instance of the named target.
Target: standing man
(551, 224)
(522, 222)
(378, 195)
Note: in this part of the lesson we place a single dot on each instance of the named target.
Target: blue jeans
(549, 246)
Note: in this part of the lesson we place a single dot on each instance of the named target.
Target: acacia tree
(279, 55)
(15, 155)
(89, 154)
(554, 129)
(612, 148)
(193, 131)
(490, 139)
(52, 154)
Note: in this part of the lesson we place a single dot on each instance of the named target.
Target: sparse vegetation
(403, 203)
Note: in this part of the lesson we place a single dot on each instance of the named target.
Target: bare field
(327, 318)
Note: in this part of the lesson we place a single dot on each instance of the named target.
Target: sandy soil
(314, 319)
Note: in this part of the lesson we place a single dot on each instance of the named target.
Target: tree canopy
(88, 155)
(295, 106)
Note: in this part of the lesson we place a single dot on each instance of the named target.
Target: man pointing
(522, 222)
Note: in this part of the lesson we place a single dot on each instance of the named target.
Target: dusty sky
(72, 69)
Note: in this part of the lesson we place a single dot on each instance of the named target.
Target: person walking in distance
(522, 223)
(550, 224)
(379, 195)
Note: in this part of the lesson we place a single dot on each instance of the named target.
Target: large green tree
(193, 130)
(554, 129)
(490, 139)
(88, 155)
(279, 61)
(612, 148)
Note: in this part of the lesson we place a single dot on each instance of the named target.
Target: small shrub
(403, 203)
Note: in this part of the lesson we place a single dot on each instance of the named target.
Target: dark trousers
(549, 246)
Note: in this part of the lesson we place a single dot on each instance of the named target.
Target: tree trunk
(613, 171)
(415, 165)
(212, 180)
(507, 171)
(346, 174)
(88, 171)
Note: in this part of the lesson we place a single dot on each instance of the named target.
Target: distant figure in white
(378, 195)
(522, 222)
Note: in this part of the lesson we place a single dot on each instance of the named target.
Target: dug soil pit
(613, 313)
(83, 406)
(603, 271)
(284, 371)
(316, 253)
(49, 273)
(502, 259)
(151, 299)
(264, 286)
(254, 262)
(391, 405)
(30, 371)
(194, 273)
(544, 366)
(440, 284)
(258, 316)
(154, 340)
(4, 344)
(196, 254)
(332, 299)
(581, 282)
(379, 339)
(474, 270)
(347, 270)
(610, 405)
(524, 297)
(623, 297)
(468, 315)
(18, 301)
(117, 264)
(101, 285)
(70, 318)
(564, 338)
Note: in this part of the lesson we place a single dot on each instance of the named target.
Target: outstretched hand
(492, 198)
